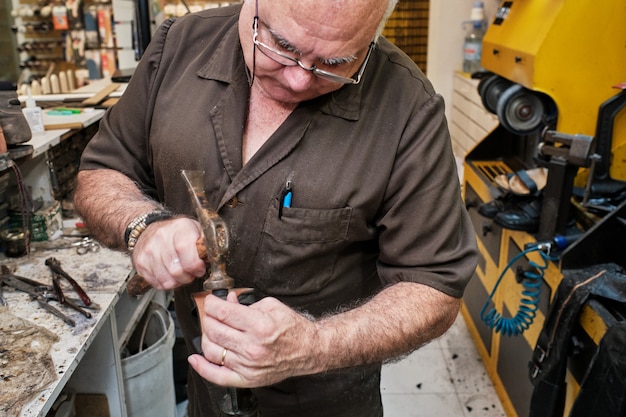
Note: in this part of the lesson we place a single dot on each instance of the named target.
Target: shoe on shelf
(523, 182)
(523, 216)
(502, 203)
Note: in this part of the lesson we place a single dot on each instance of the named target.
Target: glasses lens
(275, 55)
(333, 77)
(269, 48)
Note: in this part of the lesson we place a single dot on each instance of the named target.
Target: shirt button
(232, 203)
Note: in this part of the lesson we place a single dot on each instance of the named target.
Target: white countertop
(81, 93)
(101, 274)
(43, 141)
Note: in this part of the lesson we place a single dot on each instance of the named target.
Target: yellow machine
(573, 51)
(557, 81)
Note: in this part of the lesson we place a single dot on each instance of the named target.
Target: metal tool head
(20, 285)
(214, 228)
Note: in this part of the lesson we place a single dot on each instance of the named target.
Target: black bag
(547, 369)
(603, 391)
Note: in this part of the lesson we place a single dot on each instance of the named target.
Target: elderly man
(302, 99)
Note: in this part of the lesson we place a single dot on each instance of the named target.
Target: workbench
(86, 357)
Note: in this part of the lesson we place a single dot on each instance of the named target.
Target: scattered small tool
(85, 245)
(64, 300)
(43, 294)
(55, 267)
(37, 293)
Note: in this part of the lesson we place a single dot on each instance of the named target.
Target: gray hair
(391, 5)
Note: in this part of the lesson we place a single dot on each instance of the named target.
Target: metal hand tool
(55, 266)
(237, 401)
(36, 294)
(58, 290)
(212, 247)
(85, 245)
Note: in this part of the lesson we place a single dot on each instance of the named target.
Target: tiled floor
(445, 378)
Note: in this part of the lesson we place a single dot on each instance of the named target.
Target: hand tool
(35, 294)
(236, 402)
(212, 247)
(58, 291)
(45, 293)
(85, 245)
(55, 266)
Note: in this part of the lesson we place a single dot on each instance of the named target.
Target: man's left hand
(253, 346)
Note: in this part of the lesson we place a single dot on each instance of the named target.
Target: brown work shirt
(376, 196)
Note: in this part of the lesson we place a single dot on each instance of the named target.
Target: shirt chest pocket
(299, 248)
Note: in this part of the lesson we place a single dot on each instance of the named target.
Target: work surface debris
(25, 363)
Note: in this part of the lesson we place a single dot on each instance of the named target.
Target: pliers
(44, 293)
(57, 274)
(36, 292)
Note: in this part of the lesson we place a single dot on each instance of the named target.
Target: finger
(162, 269)
(218, 332)
(217, 354)
(166, 254)
(174, 271)
(230, 312)
(221, 343)
(186, 249)
(232, 297)
(220, 375)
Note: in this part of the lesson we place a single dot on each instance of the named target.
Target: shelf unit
(470, 121)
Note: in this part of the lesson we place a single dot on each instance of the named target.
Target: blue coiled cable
(516, 325)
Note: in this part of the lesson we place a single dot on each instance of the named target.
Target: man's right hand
(165, 254)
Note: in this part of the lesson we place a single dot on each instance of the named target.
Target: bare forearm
(398, 320)
(268, 342)
(108, 201)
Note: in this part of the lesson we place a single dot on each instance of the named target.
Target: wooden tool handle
(137, 285)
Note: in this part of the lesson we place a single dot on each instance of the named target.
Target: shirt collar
(226, 62)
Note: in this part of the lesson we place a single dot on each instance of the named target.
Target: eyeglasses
(290, 61)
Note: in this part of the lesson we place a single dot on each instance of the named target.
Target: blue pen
(287, 199)
(288, 194)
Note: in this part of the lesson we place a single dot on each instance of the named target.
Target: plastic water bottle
(473, 43)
